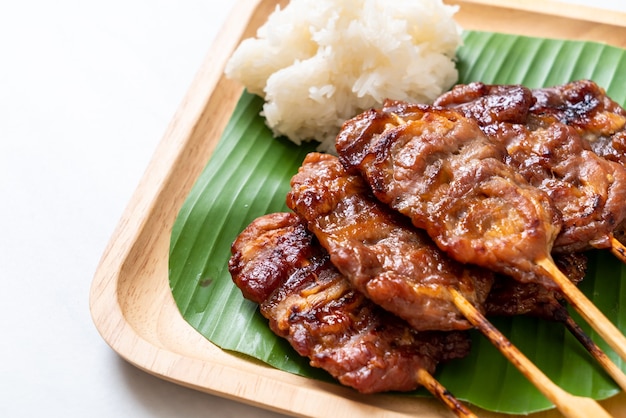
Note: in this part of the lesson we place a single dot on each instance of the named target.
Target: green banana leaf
(248, 176)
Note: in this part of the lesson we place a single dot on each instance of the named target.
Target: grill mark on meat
(310, 304)
(600, 120)
(585, 106)
(480, 212)
(544, 131)
(394, 264)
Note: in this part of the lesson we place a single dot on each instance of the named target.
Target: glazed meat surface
(585, 106)
(587, 190)
(489, 104)
(599, 119)
(393, 263)
(277, 263)
(267, 252)
(437, 167)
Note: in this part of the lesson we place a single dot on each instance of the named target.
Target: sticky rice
(318, 63)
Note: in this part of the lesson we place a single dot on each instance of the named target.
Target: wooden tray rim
(131, 317)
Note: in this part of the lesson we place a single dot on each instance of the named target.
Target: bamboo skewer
(596, 352)
(618, 249)
(440, 392)
(591, 314)
(570, 406)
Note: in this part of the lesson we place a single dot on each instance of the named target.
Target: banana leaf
(248, 176)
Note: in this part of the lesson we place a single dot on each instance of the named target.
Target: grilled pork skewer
(587, 190)
(355, 229)
(277, 263)
(586, 107)
(436, 166)
(601, 121)
(549, 134)
(394, 264)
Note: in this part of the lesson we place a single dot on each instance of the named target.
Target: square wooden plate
(131, 303)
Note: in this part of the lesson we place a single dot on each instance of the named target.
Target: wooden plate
(130, 300)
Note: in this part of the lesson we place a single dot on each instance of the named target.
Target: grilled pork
(277, 263)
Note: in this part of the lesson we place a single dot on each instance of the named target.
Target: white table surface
(86, 92)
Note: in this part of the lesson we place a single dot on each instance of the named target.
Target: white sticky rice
(318, 63)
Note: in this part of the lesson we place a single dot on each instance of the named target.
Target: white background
(86, 92)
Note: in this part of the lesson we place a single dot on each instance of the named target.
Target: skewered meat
(586, 189)
(581, 104)
(437, 167)
(394, 264)
(599, 119)
(277, 263)
(509, 297)
(491, 104)
(585, 106)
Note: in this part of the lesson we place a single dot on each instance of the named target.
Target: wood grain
(130, 300)
(516, 17)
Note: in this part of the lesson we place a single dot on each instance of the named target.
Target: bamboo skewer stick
(570, 406)
(596, 352)
(618, 249)
(440, 392)
(591, 314)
